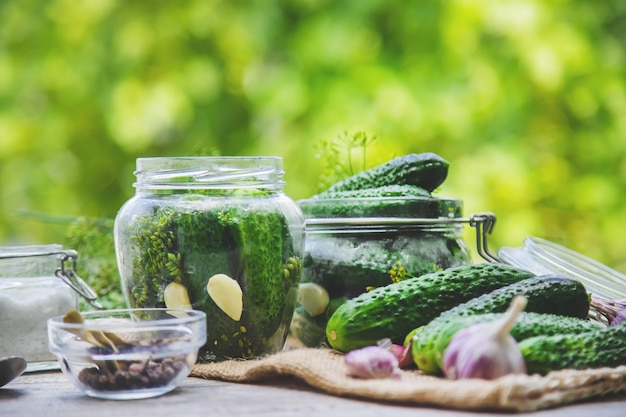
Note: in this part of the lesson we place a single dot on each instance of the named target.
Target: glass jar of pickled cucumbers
(353, 245)
(216, 234)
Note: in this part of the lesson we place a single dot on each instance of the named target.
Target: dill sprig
(93, 239)
(338, 156)
(159, 261)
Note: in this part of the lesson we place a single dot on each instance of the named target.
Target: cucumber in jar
(189, 246)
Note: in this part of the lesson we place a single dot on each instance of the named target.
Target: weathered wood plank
(50, 394)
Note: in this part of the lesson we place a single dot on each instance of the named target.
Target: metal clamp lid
(484, 224)
(66, 272)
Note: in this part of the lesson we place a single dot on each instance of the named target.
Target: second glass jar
(354, 245)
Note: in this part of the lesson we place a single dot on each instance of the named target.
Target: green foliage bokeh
(525, 98)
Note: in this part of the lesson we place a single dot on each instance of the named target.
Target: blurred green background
(526, 99)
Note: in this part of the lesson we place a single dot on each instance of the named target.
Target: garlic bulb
(486, 350)
(372, 362)
(607, 308)
(401, 352)
(620, 317)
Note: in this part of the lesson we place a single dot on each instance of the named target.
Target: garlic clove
(372, 362)
(486, 350)
(175, 295)
(313, 298)
(227, 294)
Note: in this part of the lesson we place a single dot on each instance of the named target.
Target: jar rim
(29, 250)
(148, 159)
(200, 172)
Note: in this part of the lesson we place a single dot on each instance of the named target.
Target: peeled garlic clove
(372, 362)
(176, 296)
(227, 294)
(486, 350)
(313, 298)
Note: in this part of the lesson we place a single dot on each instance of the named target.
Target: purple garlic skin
(486, 350)
(609, 309)
(401, 352)
(620, 317)
(474, 353)
(372, 362)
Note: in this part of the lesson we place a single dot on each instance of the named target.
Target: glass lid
(541, 256)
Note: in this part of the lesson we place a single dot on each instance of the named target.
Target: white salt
(25, 306)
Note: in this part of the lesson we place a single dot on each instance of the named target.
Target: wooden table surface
(50, 394)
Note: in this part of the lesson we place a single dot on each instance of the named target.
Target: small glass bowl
(128, 353)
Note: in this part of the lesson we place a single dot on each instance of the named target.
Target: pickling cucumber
(549, 294)
(393, 310)
(395, 190)
(604, 347)
(428, 351)
(426, 170)
(390, 206)
(253, 247)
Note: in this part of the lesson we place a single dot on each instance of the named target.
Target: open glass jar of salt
(36, 282)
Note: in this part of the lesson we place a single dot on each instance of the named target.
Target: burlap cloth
(324, 370)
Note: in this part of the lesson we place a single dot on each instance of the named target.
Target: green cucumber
(426, 170)
(311, 330)
(430, 351)
(189, 246)
(600, 348)
(395, 190)
(393, 310)
(553, 294)
(550, 294)
(393, 206)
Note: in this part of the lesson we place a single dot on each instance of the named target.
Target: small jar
(36, 283)
(215, 234)
(353, 245)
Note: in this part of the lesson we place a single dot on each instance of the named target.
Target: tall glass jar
(353, 245)
(216, 234)
(36, 282)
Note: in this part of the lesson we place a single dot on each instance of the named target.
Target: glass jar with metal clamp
(353, 245)
(36, 282)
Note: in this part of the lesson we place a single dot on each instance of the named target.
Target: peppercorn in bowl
(127, 353)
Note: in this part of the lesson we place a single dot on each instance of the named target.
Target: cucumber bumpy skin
(570, 297)
(548, 294)
(429, 352)
(605, 347)
(426, 170)
(393, 310)
(395, 190)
